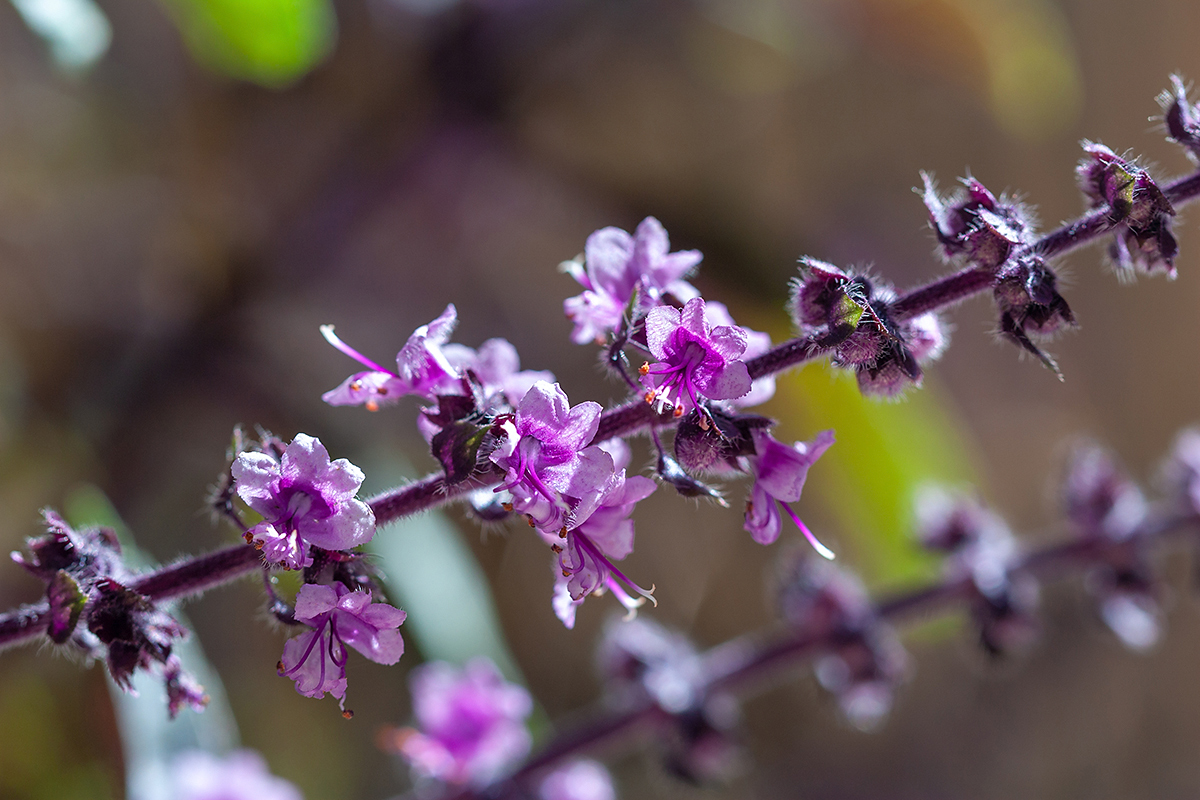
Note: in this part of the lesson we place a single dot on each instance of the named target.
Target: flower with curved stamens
(316, 659)
(304, 499)
(781, 472)
(551, 473)
(421, 368)
(586, 552)
(695, 359)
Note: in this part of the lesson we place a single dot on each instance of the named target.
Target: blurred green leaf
(268, 42)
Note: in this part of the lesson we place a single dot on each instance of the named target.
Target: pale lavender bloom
(695, 359)
(582, 779)
(471, 721)
(757, 343)
(586, 552)
(421, 368)
(550, 471)
(616, 266)
(304, 500)
(498, 368)
(316, 659)
(781, 471)
(241, 775)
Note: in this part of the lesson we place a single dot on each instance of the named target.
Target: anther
(348, 714)
(650, 396)
(644, 369)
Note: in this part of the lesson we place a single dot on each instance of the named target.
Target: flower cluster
(240, 775)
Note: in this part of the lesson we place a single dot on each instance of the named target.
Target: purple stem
(426, 493)
(187, 578)
(747, 662)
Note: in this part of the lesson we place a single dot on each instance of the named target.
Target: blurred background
(188, 188)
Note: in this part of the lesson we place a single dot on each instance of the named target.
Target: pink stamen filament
(812, 539)
(606, 566)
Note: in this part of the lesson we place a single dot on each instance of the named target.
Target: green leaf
(268, 42)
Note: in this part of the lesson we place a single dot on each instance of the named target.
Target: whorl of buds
(850, 313)
(1182, 118)
(1108, 509)
(1026, 293)
(1142, 240)
(866, 661)
(974, 226)
(982, 552)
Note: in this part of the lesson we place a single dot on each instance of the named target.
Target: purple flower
(498, 368)
(581, 779)
(241, 775)
(694, 359)
(421, 368)
(757, 343)
(316, 660)
(472, 722)
(303, 499)
(617, 265)
(781, 471)
(586, 552)
(551, 473)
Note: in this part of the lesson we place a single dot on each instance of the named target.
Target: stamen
(816, 545)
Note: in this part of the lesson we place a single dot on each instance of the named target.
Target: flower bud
(974, 226)
(1101, 501)
(1181, 117)
(1027, 295)
(1142, 240)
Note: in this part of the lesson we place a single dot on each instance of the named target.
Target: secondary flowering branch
(748, 662)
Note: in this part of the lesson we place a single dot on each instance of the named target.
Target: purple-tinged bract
(304, 500)
(1181, 117)
(471, 723)
(976, 226)
(695, 359)
(316, 659)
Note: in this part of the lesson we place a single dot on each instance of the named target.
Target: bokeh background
(188, 188)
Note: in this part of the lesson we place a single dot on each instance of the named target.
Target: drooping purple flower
(550, 471)
(586, 551)
(615, 267)
(581, 779)
(695, 359)
(780, 471)
(421, 368)
(471, 722)
(316, 659)
(304, 499)
(240, 775)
